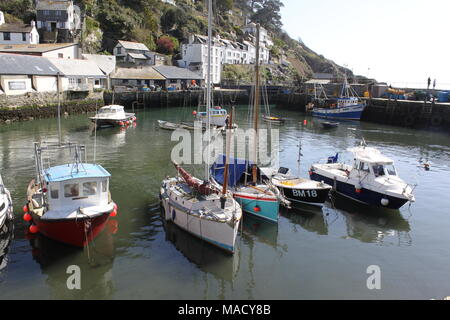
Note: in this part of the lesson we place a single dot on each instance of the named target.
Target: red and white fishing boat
(70, 203)
(113, 115)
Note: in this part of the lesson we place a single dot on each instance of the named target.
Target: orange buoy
(113, 213)
(121, 123)
(257, 209)
(305, 122)
(194, 113)
(115, 206)
(27, 217)
(33, 229)
(25, 208)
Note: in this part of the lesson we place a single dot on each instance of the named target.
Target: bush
(167, 45)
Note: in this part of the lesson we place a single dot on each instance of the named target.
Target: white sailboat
(6, 207)
(197, 206)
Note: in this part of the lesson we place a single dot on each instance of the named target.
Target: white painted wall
(16, 38)
(15, 85)
(2, 18)
(199, 53)
(67, 53)
(46, 84)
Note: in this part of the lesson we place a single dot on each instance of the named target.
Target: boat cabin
(370, 160)
(111, 110)
(74, 186)
(347, 102)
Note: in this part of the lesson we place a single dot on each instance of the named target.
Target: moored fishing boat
(113, 115)
(347, 107)
(6, 206)
(166, 125)
(69, 203)
(372, 179)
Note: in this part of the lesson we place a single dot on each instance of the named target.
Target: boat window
(2, 206)
(71, 190)
(378, 170)
(89, 188)
(390, 170)
(54, 192)
(104, 185)
(364, 167)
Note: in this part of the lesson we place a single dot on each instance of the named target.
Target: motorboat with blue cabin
(6, 206)
(113, 115)
(348, 106)
(70, 203)
(372, 178)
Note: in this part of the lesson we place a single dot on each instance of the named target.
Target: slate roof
(138, 56)
(17, 65)
(106, 63)
(34, 48)
(15, 28)
(170, 72)
(77, 68)
(129, 45)
(145, 73)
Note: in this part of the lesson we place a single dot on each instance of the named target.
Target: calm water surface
(321, 254)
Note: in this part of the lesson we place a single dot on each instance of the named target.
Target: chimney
(2, 18)
(33, 23)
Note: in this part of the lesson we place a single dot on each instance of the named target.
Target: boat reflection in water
(310, 218)
(205, 256)
(6, 235)
(373, 225)
(264, 231)
(95, 262)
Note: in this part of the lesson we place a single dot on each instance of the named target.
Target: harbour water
(310, 254)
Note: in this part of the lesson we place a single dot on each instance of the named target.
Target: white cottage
(18, 33)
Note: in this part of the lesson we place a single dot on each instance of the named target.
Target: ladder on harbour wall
(391, 106)
(139, 102)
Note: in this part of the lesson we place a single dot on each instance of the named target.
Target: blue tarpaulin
(237, 167)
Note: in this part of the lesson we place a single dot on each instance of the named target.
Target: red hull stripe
(255, 198)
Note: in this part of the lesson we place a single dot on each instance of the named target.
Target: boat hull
(112, 122)
(74, 231)
(220, 234)
(345, 113)
(267, 207)
(365, 196)
(313, 196)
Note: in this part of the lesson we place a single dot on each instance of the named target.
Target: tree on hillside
(224, 5)
(268, 14)
(172, 18)
(167, 45)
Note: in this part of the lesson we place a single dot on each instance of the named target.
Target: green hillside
(162, 27)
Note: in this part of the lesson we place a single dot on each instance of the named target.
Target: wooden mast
(227, 154)
(256, 108)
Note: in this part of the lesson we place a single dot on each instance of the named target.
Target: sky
(401, 42)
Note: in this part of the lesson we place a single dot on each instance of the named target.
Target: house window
(6, 36)
(125, 81)
(119, 50)
(24, 36)
(60, 55)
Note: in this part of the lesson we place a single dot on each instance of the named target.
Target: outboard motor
(333, 159)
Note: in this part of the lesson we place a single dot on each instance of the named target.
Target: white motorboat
(372, 179)
(113, 115)
(6, 207)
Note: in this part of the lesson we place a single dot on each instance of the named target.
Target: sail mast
(208, 89)
(59, 109)
(256, 108)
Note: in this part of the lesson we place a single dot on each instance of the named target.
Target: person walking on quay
(429, 83)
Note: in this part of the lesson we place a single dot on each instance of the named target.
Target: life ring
(409, 120)
(436, 120)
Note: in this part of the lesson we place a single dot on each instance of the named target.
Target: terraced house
(57, 20)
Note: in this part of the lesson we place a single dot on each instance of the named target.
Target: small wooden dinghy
(166, 125)
(273, 119)
(329, 125)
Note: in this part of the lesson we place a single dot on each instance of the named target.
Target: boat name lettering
(304, 193)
